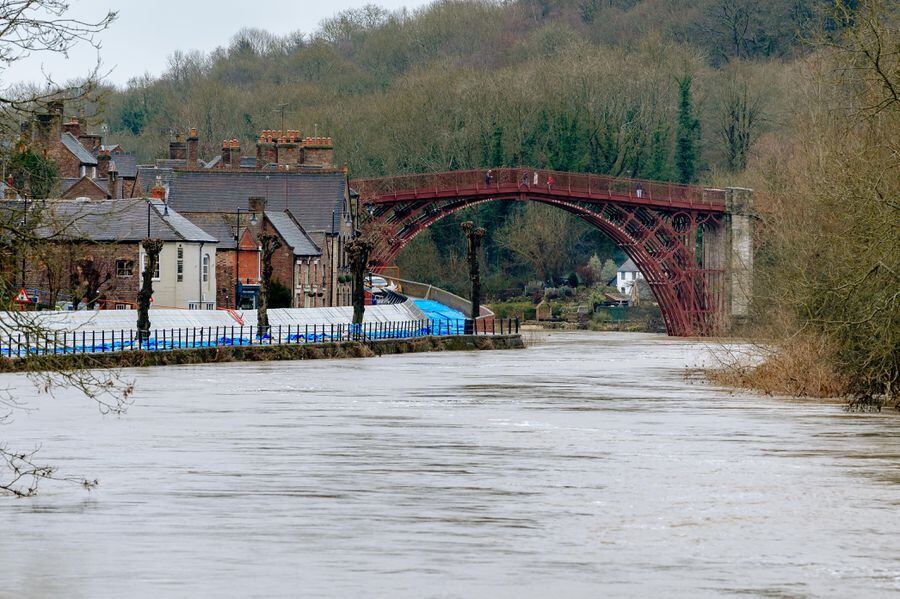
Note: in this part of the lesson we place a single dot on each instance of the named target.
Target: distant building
(626, 275)
(92, 254)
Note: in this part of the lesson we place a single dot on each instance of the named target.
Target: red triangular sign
(23, 298)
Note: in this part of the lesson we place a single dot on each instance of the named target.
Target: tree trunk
(152, 248)
(269, 244)
(358, 251)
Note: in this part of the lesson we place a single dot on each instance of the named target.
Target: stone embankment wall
(260, 353)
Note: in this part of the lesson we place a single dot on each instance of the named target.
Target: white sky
(147, 32)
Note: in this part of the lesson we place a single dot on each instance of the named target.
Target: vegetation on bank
(827, 288)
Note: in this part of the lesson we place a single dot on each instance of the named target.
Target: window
(179, 267)
(122, 307)
(206, 268)
(124, 268)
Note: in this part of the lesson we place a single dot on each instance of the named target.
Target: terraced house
(89, 254)
(290, 187)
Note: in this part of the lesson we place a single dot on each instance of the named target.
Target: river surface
(585, 466)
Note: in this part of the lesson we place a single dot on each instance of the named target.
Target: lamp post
(25, 227)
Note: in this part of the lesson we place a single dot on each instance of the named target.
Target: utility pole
(281, 108)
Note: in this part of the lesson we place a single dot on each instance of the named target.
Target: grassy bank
(261, 353)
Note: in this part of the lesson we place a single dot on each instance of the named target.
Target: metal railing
(505, 180)
(122, 340)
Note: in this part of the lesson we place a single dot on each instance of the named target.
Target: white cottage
(626, 275)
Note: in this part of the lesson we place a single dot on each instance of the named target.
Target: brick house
(85, 166)
(297, 264)
(289, 175)
(92, 256)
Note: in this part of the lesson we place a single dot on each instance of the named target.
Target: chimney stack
(317, 152)
(112, 181)
(103, 160)
(55, 110)
(73, 127)
(177, 149)
(266, 152)
(193, 149)
(226, 153)
(287, 151)
(10, 192)
(158, 191)
(235, 154)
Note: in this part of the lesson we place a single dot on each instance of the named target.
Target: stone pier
(739, 257)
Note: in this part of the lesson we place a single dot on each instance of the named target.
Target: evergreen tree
(660, 161)
(687, 135)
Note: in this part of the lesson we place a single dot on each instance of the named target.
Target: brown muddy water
(585, 466)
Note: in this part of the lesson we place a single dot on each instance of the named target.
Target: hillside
(581, 85)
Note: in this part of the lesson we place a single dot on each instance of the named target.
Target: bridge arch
(668, 240)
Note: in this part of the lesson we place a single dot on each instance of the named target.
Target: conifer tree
(687, 134)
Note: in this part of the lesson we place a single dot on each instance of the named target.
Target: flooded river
(585, 466)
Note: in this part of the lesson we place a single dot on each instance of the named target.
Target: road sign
(23, 298)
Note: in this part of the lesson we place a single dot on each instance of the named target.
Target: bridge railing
(508, 180)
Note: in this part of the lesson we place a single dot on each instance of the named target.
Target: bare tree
(28, 27)
(740, 116)
(43, 26)
(544, 236)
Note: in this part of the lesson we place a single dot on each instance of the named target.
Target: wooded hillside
(662, 89)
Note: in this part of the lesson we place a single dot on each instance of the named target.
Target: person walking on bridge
(489, 177)
(549, 182)
(525, 179)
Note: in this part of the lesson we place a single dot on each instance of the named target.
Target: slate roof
(217, 225)
(248, 161)
(628, 266)
(67, 182)
(293, 234)
(312, 198)
(171, 163)
(148, 172)
(126, 164)
(73, 145)
(115, 221)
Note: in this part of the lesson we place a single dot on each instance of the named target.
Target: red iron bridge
(693, 244)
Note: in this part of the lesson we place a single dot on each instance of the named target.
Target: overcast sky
(146, 33)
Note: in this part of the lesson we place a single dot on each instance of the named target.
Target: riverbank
(262, 353)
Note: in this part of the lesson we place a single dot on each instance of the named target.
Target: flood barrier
(52, 342)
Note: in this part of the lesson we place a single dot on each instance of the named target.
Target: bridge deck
(513, 182)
